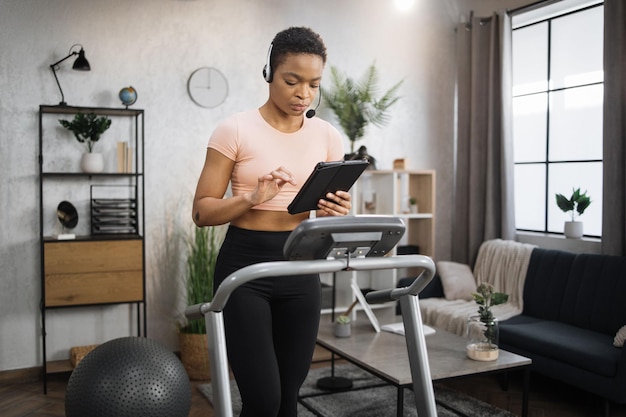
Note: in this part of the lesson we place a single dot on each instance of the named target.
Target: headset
(268, 75)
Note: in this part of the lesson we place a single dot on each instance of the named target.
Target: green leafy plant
(355, 103)
(577, 203)
(87, 128)
(203, 249)
(486, 297)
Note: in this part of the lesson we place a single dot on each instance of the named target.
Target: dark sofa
(573, 306)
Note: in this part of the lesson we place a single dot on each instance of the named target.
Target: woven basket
(77, 353)
(194, 354)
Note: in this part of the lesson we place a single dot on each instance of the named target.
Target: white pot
(573, 230)
(343, 330)
(92, 162)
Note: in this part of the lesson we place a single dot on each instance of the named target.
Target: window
(557, 114)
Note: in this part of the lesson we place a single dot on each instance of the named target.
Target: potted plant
(343, 322)
(355, 103)
(88, 128)
(203, 249)
(482, 329)
(577, 204)
(413, 204)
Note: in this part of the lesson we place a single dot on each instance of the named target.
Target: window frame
(546, 163)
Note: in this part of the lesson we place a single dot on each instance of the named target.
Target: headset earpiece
(267, 69)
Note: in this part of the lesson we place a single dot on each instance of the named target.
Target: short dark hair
(296, 40)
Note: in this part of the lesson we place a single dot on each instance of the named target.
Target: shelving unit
(94, 269)
(387, 192)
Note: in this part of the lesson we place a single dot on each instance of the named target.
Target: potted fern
(482, 329)
(577, 204)
(355, 103)
(203, 249)
(87, 129)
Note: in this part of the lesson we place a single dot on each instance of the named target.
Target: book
(124, 158)
(121, 157)
(398, 328)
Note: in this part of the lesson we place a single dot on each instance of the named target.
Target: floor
(548, 398)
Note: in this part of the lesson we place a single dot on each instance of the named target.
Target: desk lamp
(81, 64)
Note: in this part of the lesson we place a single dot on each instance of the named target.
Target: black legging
(270, 323)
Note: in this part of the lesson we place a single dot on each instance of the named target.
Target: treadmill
(327, 245)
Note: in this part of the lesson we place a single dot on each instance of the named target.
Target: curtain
(483, 191)
(614, 128)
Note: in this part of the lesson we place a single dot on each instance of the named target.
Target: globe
(128, 95)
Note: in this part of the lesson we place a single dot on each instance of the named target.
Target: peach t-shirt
(257, 149)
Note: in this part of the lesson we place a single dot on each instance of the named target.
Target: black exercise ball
(129, 377)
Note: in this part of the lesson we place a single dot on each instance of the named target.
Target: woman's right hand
(209, 206)
(269, 185)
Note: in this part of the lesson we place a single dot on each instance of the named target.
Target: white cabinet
(389, 192)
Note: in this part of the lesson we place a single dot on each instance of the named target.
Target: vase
(92, 162)
(194, 354)
(343, 330)
(482, 339)
(573, 230)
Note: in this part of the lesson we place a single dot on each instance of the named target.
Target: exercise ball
(129, 377)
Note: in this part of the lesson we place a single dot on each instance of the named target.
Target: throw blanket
(501, 263)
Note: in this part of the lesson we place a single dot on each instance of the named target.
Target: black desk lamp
(81, 64)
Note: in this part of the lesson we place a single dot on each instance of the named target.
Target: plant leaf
(564, 203)
(499, 298)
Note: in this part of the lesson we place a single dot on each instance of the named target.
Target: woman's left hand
(335, 204)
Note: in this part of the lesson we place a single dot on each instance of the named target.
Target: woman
(266, 154)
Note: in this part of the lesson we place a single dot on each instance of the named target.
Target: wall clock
(207, 87)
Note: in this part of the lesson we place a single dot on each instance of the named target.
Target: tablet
(327, 177)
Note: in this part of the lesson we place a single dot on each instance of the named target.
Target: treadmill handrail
(284, 268)
(422, 280)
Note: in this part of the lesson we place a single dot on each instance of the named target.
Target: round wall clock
(207, 87)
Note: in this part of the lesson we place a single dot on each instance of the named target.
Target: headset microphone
(311, 112)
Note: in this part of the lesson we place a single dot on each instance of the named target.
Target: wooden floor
(548, 398)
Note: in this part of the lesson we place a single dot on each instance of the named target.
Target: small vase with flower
(482, 328)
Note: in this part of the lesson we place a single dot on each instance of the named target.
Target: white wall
(154, 45)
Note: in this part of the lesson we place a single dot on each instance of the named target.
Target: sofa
(567, 311)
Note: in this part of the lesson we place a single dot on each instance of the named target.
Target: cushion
(619, 337)
(457, 280)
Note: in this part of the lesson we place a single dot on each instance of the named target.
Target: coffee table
(385, 355)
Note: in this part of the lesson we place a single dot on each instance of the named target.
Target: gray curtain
(614, 148)
(483, 201)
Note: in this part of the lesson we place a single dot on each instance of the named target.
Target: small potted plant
(577, 204)
(87, 129)
(343, 322)
(482, 329)
(413, 204)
